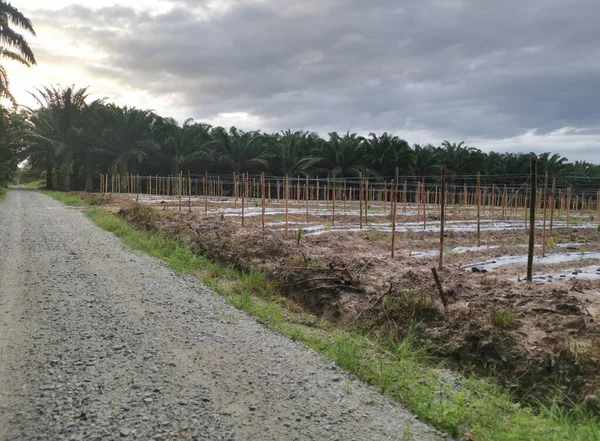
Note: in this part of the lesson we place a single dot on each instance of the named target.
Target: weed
(451, 233)
(575, 222)
(504, 318)
(407, 434)
(298, 235)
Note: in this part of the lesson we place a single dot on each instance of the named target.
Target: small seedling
(551, 242)
(451, 233)
(298, 235)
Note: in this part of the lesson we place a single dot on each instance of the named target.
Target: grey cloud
(457, 69)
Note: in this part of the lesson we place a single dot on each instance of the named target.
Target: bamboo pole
(306, 197)
(333, 204)
(545, 211)
(552, 205)
(285, 195)
(366, 195)
(317, 208)
(205, 191)
(393, 216)
(568, 205)
(404, 194)
(243, 195)
(360, 200)
(189, 192)
(478, 209)
(262, 189)
(533, 192)
(298, 191)
(442, 218)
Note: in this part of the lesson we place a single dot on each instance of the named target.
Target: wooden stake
(262, 189)
(317, 195)
(306, 197)
(189, 192)
(243, 195)
(532, 207)
(393, 207)
(545, 211)
(478, 209)
(438, 283)
(333, 204)
(552, 205)
(285, 195)
(360, 200)
(442, 217)
(568, 205)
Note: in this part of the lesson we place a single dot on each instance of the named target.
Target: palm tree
(289, 153)
(128, 138)
(341, 157)
(237, 150)
(386, 152)
(15, 46)
(181, 146)
(426, 160)
(554, 164)
(58, 126)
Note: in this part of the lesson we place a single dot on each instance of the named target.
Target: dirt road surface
(98, 342)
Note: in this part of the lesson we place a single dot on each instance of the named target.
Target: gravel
(98, 342)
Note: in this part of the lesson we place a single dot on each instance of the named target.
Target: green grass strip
(70, 199)
(403, 371)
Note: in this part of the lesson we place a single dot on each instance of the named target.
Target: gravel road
(98, 342)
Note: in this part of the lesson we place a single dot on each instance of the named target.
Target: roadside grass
(3, 193)
(70, 199)
(401, 370)
(39, 184)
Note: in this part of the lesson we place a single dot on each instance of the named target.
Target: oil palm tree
(181, 146)
(128, 138)
(57, 126)
(237, 150)
(14, 46)
(341, 156)
(289, 153)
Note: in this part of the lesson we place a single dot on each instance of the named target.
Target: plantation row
(70, 140)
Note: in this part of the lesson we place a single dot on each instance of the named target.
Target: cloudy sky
(508, 75)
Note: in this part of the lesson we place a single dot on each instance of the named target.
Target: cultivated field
(333, 256)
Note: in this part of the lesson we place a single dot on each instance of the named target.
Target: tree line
(70, 140)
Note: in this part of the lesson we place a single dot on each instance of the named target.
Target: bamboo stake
(552, 205)
(442, 218)
(545, 210)
(366, 194)
(243, 195)
(317, 195)
(298, 191)
(393, 208)
(285, 195)
(189, 192)
(205, 191)
(532, 208)
(262, 189)
(568, 205)
(404, 194)
(478, 209)
(333, 204)
(360, 199)
(306, 197)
